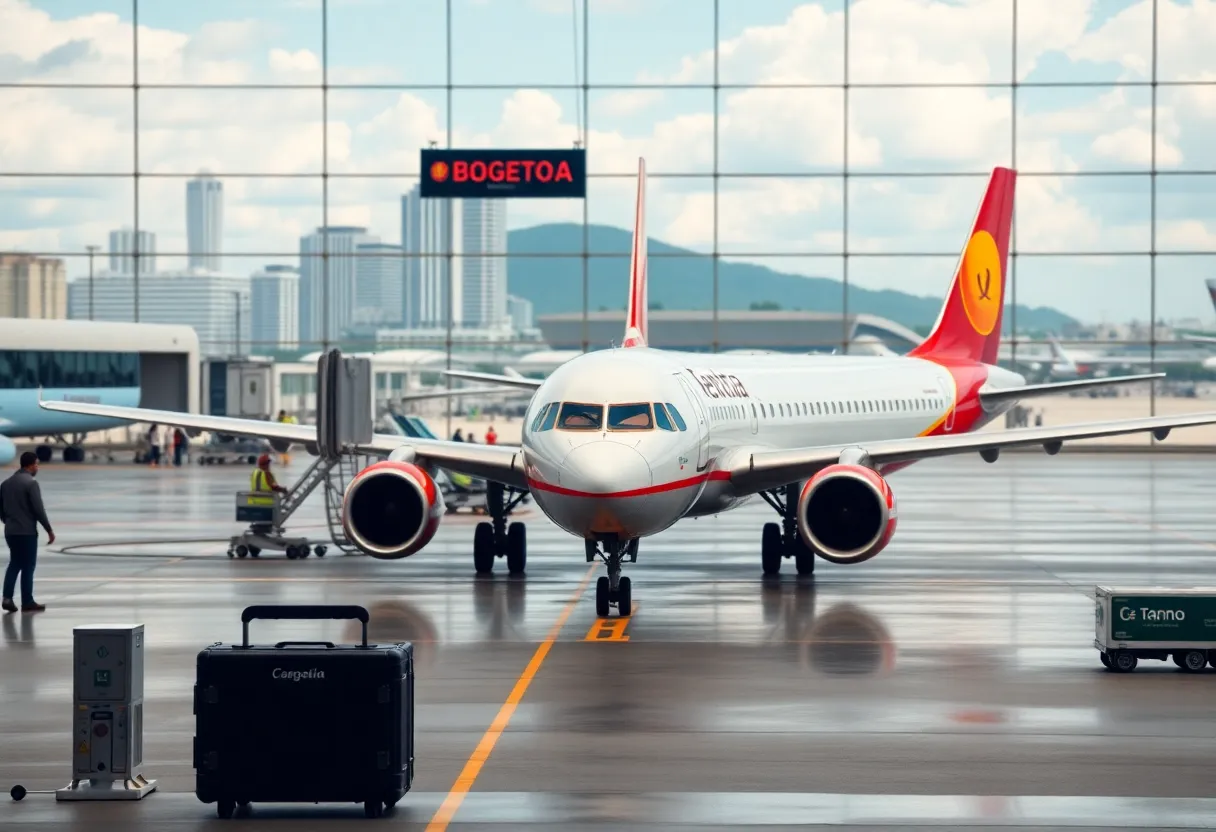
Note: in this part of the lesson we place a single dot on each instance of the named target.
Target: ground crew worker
(284, 418)
(21, 512)
(491, 436)
(262, 479)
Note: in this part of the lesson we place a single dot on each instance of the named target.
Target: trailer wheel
(1124, 662)
(1193, 661)
(1105, 660)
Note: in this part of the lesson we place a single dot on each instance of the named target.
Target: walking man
(21, 512)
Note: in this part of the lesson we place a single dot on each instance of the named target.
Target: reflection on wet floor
(958, 662)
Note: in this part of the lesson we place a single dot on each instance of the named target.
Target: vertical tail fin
(969, 326)
(635, 312)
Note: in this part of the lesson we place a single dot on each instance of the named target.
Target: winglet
(635, 312)
(969, 326)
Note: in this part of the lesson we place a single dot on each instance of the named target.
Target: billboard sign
(504, 174)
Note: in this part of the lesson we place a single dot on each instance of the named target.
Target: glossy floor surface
(948, 683)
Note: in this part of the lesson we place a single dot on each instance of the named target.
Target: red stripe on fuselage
(538, 485)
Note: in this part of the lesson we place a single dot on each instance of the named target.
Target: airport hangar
(694, 330)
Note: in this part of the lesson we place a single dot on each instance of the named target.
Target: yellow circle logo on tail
(981, 282)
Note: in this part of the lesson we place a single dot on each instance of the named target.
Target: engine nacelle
(392, 509)
(846, 513)
(8, 451)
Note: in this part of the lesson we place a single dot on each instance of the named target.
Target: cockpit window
(675, 414)
(630, 417)
(661, 418)
(540, 417)
(575, 416)
(550, 417)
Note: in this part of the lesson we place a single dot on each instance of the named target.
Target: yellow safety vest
(257, 482)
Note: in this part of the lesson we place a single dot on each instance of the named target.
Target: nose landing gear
(613, 590)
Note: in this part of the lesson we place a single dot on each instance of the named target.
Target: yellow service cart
(265, 512)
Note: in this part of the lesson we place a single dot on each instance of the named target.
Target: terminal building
(696, 331)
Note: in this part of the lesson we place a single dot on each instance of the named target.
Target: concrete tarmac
(950, 682)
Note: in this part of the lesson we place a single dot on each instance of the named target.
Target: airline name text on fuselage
(720, 385)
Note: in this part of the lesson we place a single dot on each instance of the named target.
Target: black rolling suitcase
(304, 722)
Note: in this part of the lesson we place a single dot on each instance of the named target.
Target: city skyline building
(204, 222)
(483, 273)
(275, 307)
(379, 284)
(32, 287)
(132, 252)
(327, 281)
(212, 303)
(431, 250)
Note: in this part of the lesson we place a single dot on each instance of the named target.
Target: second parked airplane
(620, 444)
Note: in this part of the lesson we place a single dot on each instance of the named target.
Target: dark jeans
(23, 557)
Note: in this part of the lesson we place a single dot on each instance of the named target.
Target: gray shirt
(21, 505)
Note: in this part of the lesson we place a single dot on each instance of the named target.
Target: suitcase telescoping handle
(303, 613)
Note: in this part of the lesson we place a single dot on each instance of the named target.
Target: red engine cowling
(391, 509)
(846, 513)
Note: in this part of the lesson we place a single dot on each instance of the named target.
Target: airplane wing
(1200, 339)
(763, 470)
(500, 463)
(510, 381)
(988, 398)
(463, 391)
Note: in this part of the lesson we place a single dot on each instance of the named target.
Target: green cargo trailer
(1155, 623)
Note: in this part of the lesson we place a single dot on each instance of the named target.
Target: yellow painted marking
(472, 767)
(611, 629)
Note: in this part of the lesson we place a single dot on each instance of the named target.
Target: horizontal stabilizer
(510, 381)
(991, 398)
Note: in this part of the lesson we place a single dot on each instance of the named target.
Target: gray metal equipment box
(344, 402)
(107, 714)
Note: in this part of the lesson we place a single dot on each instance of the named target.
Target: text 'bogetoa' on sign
(504, 174)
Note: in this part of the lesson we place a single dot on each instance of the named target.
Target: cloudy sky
(1063, 134)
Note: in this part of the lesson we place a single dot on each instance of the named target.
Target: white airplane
(620, 444)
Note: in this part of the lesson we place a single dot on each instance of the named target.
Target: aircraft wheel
(483, 549)
(624, 598)
(319, 551)
(601, 597)
(517, 548)
(242, 550)
(770, 549)
(254, 551)
(43, 452)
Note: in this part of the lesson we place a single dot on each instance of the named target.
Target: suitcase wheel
(225, 809)
(373, 808)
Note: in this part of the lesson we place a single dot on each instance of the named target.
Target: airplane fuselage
(595, 478)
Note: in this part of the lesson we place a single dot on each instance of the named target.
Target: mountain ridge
(552, 279)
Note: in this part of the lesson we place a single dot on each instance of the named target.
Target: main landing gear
(781, 540)
(497, 538)
(612, 590)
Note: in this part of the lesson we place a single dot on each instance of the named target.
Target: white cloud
(959, 129)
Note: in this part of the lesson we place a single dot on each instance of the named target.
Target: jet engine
(392, 509)
(846, 513)
(8, 451)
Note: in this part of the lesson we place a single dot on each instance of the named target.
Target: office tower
(204, 222)
(379, 284)
(520, 311)
(431, 252)
(327, 281)
(275, 308)
(32, 287)
(211, 303)
(124, 244)
(484, 270)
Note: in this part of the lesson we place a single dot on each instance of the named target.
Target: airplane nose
(604, 467)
